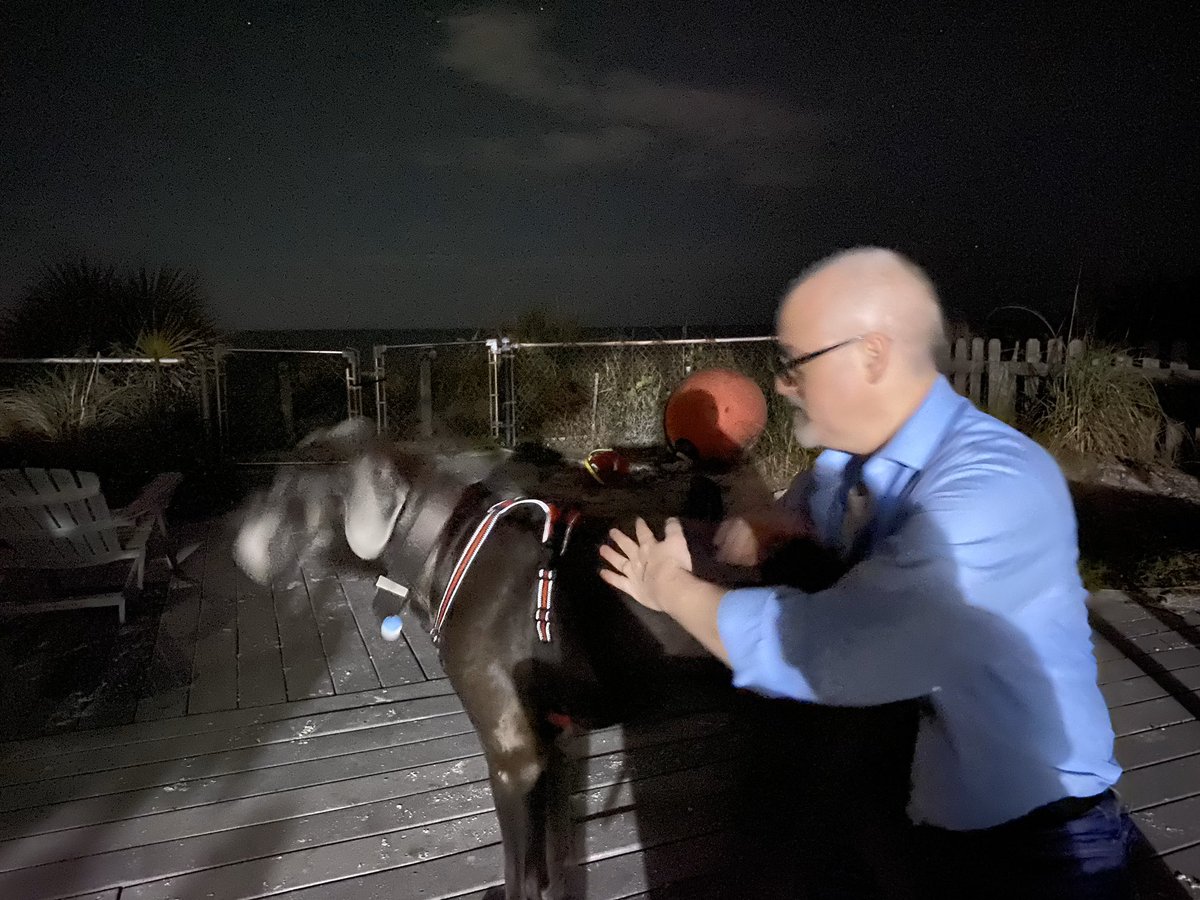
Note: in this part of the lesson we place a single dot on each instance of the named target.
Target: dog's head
(344, 480)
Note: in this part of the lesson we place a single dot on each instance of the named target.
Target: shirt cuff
(748, 623)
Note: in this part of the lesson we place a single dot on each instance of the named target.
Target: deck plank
(319, 865)
(1146, 748)
(169, 680)
(1171, 826)
(1147, 687)
(178, 774)
(427, 763)
(1161, 783)
(196, 821)
(425, 652)
(259, 663)
(394, 661)
(220, 863)
(1168, 660)
(266, 735)
(305, 671)
(1148, 715)
(350, 665)
(214, 672)
(50, 745)
(461, 875)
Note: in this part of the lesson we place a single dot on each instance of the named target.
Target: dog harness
(544, 588)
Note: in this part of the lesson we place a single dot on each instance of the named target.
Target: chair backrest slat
(56, 518)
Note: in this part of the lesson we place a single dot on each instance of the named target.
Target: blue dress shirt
(967, 593)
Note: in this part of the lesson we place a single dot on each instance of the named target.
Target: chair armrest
(154, 498)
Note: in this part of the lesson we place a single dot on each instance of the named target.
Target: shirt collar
(914, 444)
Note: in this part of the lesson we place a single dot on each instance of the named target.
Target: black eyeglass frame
(785, 367)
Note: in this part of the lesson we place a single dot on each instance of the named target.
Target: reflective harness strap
(545, 582)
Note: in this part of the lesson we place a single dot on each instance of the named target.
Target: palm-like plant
(163, 313)
(67, 310)
(79, 308)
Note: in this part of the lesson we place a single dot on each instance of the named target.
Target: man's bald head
(870, 289)
(863, 332)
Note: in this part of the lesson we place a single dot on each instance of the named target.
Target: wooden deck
(281, 748)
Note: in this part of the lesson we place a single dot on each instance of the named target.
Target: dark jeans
(1081, 858)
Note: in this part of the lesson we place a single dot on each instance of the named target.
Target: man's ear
(374, 498)
(877, 349)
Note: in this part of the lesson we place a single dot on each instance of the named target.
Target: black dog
(532, 641)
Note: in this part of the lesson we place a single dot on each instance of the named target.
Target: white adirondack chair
(56, 525)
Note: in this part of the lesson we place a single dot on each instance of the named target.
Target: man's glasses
(785, 368)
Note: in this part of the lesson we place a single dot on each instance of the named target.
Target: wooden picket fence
(1005, 379)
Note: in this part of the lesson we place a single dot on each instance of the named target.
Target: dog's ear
(342, 441)
(262, 521)
(375, 495)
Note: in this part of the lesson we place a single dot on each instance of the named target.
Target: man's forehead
(798, 317)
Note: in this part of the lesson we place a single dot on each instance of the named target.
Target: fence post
(219, 392)
(379, 356)
(1000, 400)
(205, 409)
(960, 365)
(353, 384)
(425, 389)
(1033, 356)
(1054, 355)
(493, 362)
(508, 380)
(285, 401)
(975, 376)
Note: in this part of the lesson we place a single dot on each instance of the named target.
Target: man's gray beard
(803, 429)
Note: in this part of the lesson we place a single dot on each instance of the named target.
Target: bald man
(961, 590)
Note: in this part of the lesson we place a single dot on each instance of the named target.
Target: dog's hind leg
(516, 760)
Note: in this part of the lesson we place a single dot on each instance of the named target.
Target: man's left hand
(642, 566)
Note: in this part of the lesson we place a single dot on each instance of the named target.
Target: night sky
(407, 164)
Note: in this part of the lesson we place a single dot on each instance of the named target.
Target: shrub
(1101, 409)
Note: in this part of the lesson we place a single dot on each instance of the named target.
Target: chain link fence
(437, 390)
(268, 400)
(613, 393)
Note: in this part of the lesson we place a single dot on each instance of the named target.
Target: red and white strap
(482, 530)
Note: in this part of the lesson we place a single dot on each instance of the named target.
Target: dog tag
(386, 584)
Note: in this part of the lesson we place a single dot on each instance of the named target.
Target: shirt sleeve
(897, 623)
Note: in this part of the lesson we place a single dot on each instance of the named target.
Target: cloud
(622, 118)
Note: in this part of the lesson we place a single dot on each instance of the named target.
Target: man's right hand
(746, 540)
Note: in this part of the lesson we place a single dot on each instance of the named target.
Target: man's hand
(747, 540)
(645, 567)
(658, 575)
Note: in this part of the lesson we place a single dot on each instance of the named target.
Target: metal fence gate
(268, 400)
(427, 390)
